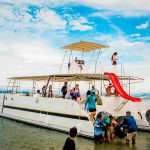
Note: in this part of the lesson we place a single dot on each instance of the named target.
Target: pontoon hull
(62, 114)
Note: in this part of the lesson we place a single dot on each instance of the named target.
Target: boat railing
(117, 69)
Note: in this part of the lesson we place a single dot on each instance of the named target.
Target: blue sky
(32, 32)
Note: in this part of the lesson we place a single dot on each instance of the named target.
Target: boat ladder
(118, 108)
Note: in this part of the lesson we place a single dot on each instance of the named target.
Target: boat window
(80, 61)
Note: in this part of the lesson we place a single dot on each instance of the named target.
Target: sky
(32, 32)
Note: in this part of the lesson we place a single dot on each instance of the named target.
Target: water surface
(19, 136)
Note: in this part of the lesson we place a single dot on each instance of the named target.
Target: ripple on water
(19, 136)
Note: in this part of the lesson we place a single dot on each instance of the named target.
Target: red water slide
(119, 88)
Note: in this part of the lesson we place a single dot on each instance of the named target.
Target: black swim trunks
(114, 63)
(98, 138)
(92, 109)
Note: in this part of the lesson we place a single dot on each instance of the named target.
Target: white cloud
(31, 51)
(80, 23)
(138, 37)
(27, 56)
(107, 8)
(127, 8)
(15, 17)
(143, 26)
(135, 35)
(76, 25)
(50, 18)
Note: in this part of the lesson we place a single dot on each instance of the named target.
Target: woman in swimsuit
(50, 92)
(75, 92)
(111, 129)
(114, 58)
(44, 91)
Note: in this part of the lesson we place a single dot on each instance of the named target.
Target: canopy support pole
(91, 60)
(62, 62)
(97, 59)
(34, 85)
(81, 59)
(69, 62)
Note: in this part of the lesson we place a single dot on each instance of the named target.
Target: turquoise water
(19, 136)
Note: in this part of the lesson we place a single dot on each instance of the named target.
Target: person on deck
(75, 93)
(114, 58)
(108, 90)
(64, 90)
(38, 94)
(50, 91)
(44, 91)
(132, 127)
(90, 101)
(95, 90)
(70, 144)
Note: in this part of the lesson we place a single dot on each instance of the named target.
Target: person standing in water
(114, 58)
(70, 144)
(111, 129)
(98, 129)
(130, 122)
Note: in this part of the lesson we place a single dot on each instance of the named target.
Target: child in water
(70, 144)
(111, 129)
(98, 129)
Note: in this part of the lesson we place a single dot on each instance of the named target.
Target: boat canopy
(84, 46)
(71, 77)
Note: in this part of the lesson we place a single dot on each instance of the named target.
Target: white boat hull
(62, 114)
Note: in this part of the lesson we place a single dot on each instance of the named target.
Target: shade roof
(84, 46)
(71, 77)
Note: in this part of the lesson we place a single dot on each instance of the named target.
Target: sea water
(18, 136)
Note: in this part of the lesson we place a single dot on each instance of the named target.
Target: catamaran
(62, 114)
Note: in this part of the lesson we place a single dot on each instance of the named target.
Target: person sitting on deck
(38, 94)
(90, 101)
(70, 144)
(64, 90)
(50, 92)
(75, 92)
(108, 90)
(44, 91)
